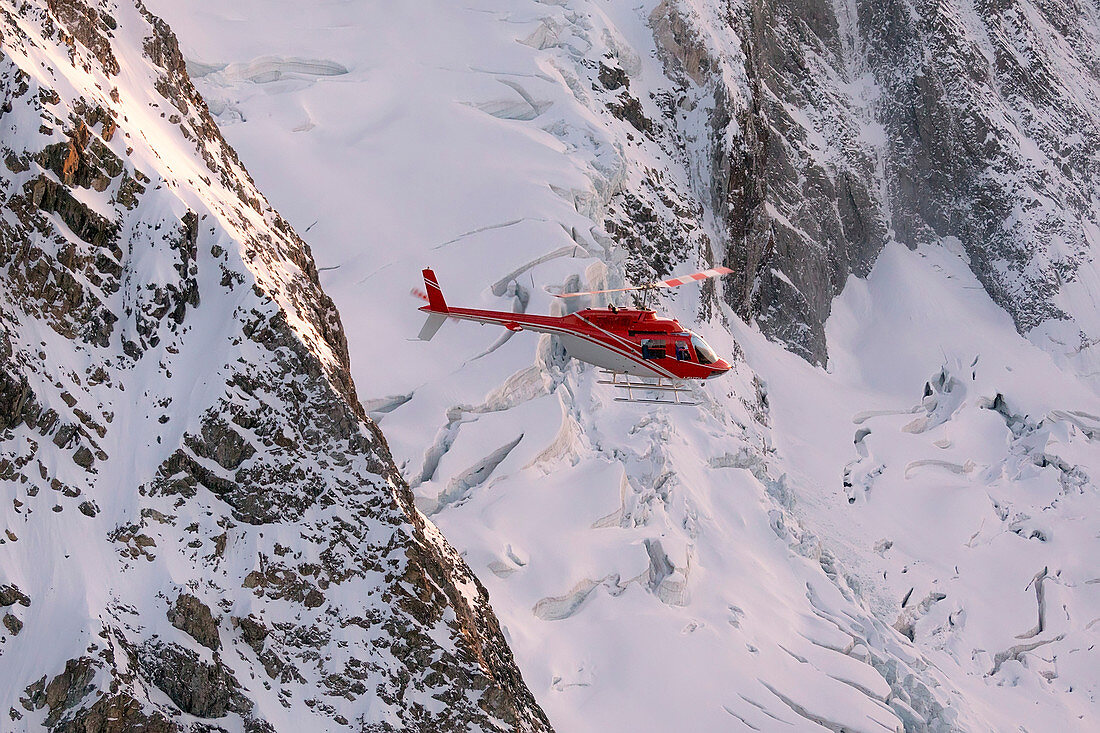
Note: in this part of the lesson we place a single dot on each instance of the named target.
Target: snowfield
(904, 540)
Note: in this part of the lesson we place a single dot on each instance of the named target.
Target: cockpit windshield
(702, 349)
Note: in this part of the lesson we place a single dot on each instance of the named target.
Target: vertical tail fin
(435, 294)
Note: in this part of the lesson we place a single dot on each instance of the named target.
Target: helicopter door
(653, 349)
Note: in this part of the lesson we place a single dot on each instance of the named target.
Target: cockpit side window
(702, 350)
(682, 351)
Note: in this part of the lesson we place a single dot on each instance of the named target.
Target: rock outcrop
(837, 127)
(805, 548)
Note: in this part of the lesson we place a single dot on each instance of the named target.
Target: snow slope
(902, 541)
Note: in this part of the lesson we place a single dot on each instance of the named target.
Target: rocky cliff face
(840, 126)
(899, 542)
(993, 129)
(201, 526)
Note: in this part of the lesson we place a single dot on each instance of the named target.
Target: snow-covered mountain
(202, 529)
(884, 517)
(899, 540)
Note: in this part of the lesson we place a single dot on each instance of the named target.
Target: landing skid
(662, 385)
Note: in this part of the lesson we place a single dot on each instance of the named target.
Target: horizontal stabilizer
(431, 326)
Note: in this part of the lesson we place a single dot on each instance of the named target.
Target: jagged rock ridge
(837, 127)
(862, 548)
(199, 517)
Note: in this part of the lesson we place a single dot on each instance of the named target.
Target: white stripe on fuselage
(657, 371)
(630, 344)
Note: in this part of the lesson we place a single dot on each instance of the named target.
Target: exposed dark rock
(220, 443)
(292, 486)
(253, 632)
(197, 687)
(612, 75)
(788, 266)
(119, 713)
(193, 617)
(15, 398)
(64, 692)
(627, 107)
(807, 200)
(48, 195)
(658, 225)
(10, 595)
(85, 161)
(83, 457)
(12, 624)
(971, 138)
(90, 27)
(676, 36)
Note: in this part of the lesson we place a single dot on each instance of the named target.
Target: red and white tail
(436, 307)
(436, 302)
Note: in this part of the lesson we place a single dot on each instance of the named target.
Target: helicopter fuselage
(628, 341)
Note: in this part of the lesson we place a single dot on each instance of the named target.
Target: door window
(653, 348)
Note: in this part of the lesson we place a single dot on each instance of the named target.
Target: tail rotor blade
(421, 295)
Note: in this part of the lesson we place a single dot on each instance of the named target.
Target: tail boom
(438, 311)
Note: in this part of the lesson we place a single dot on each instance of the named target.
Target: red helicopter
(625, 342)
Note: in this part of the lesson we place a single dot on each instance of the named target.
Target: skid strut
(662, 385)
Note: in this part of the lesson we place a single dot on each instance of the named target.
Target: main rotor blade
(669, 283)
(597, 292)
(693, 277)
